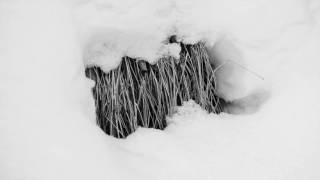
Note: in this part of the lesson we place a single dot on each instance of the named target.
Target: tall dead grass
(137, 93)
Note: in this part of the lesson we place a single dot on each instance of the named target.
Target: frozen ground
(47, 128)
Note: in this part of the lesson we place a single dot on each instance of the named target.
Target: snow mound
(47, 123)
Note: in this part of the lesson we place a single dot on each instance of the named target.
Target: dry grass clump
(137, 93)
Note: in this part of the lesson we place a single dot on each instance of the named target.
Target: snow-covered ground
(270, 51)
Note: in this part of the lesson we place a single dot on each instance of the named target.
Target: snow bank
(47, 128)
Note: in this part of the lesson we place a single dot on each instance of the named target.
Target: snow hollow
(269, 56)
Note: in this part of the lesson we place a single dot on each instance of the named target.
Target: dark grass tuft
(137, 93)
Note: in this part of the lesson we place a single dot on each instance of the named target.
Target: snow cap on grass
(110, 30)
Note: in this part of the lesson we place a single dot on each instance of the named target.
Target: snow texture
(269, 56)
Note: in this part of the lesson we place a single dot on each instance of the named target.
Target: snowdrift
(271, 54)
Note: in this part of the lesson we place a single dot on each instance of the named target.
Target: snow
(270, 56)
